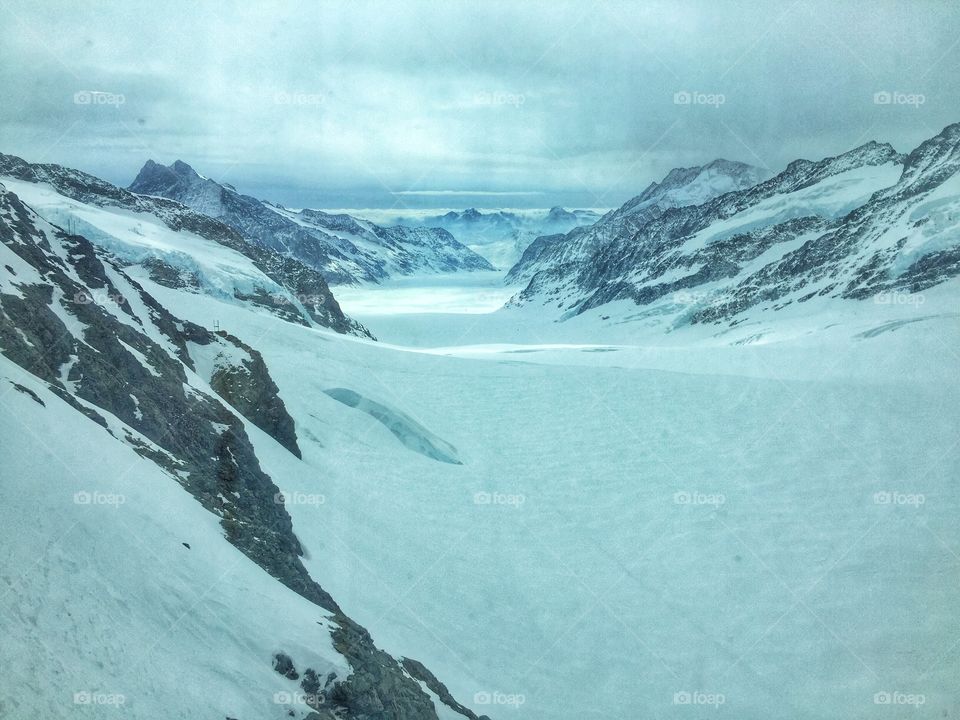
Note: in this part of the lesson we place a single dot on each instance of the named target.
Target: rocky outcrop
(421, 673)
(240, 376)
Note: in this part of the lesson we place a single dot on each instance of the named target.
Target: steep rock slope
(83, 330)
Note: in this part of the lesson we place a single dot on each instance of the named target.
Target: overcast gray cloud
(354, 104)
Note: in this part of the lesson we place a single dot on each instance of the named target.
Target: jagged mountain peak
(154, 176)
(931, 162)
(183, 169)
(695, 185)
(559, 214)
(870, 153)
(468, 215)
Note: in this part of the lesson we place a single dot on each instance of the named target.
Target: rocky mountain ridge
(853, 226)
(344, 249)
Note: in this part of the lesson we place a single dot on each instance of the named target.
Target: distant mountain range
(344, 249)
(712, 245)
(501, 236)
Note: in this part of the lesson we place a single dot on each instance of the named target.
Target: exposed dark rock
(165, 274)
(27, 391)
(250, 390)
(284, 665)
(421, 673)
(311, 682)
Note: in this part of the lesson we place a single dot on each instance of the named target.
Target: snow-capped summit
(696, 185)
(344, 249)
(181, 182)
(680, 187)
(932, 162)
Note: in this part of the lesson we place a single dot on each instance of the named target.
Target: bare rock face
(421, 673)
(243, 380)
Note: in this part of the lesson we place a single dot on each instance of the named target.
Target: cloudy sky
(451, 104)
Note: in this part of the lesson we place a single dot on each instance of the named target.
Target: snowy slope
(115, 374)
(617, 535)
(105, 609)
(180, 247)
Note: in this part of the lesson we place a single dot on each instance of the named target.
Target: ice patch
(407, 430)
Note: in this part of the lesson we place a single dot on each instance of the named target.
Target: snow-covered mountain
(682, 186)
(174, 245)
(869, 223)
(126, 403)
(501, 236)
(345, 250)
(207, 498)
